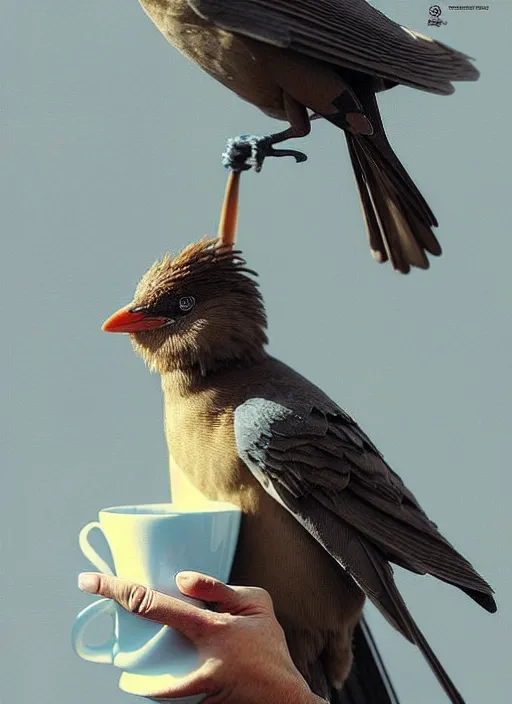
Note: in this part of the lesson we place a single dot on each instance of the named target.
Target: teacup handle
(88, 550)
(94, 653)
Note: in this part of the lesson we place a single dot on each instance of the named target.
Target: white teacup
(150, 544)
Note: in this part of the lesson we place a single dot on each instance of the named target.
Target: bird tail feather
(397, 217)
(396, 608)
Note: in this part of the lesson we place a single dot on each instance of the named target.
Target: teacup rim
(168, 509)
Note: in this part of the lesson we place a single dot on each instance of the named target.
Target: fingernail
(89, 582)
(184, 578)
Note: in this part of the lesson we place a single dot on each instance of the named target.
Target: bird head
(197, 311)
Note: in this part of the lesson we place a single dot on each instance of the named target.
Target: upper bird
(331, 57)
(323, 513)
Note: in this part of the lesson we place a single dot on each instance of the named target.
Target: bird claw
(250, 151)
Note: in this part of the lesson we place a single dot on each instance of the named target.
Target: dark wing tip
(488, 602)
(483, 599)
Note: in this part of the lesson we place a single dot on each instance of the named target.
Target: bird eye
(186, 303)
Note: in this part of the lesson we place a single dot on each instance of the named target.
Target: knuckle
(209, 628)
(219, 622)
(261, 592)
(280, 632)
(210, 624)
(104, 585)
(139, 599)
(262, 596)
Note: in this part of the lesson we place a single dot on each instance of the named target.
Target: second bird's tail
(398, 219)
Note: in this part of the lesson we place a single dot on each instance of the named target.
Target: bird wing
(348, 33)
(323, 469)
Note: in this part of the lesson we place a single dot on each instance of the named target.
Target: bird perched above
(324, 515)
(330, 57)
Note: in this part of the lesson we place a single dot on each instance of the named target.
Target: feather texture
(349, 33)
(324, 516)
(326, 472)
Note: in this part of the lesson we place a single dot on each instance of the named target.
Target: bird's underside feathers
(368, 681)
(347, 33)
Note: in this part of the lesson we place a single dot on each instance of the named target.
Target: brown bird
(331, 57)
(323, 513)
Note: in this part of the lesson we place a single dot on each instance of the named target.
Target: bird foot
(250, 151)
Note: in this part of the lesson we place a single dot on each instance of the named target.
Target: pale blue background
(110, 155)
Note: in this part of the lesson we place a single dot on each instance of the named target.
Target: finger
(209, 589)
(227, 599)
(191, 621)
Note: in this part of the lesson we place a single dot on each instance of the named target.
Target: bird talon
(261, 148)
(298, 156)
(250, 151)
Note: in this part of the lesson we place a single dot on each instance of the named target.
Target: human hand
(243, 654)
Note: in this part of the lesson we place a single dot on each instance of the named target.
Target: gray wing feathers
(355, 507)
(349, 33)
(322, 468)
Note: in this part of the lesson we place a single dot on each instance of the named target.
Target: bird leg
(250, 151)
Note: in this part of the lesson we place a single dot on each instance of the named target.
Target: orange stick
(229, 213)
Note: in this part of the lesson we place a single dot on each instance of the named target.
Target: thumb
(205, 588)
(225, 598)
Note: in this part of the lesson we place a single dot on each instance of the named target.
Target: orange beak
(133, 320)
